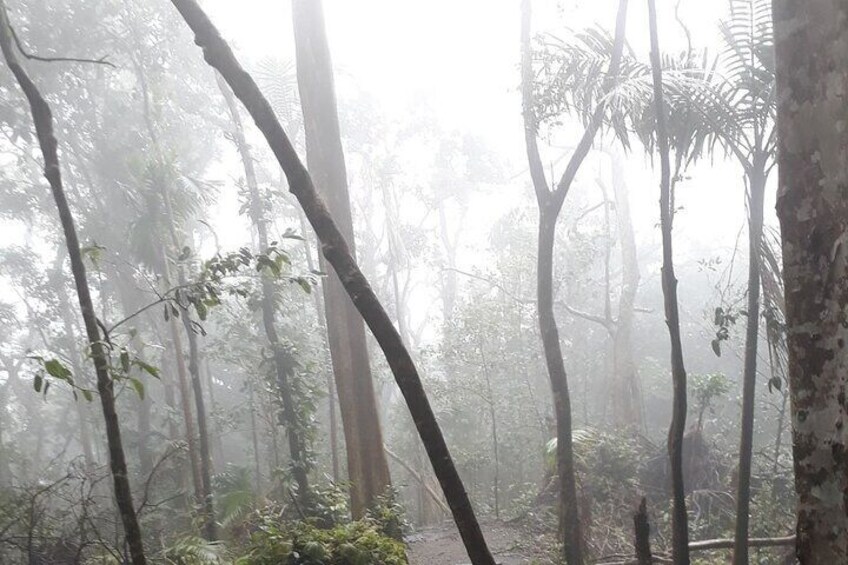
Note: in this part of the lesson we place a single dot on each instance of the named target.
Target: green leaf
(37, 382)
(138, 386)
(147, 368)
(87, 394)
(125, 361)
(201, 309)
(56, 369)
(304, 284)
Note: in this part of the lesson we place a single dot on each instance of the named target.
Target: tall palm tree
(727, 103)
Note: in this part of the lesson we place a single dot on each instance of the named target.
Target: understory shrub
(355, 543)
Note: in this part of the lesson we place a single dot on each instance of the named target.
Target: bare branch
(33, 57)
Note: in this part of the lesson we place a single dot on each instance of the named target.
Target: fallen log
(703, 545)
(417, 476)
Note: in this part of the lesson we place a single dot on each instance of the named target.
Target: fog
(184, 378)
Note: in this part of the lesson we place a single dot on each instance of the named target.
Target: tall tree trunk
(206, 498)
(550, 203)
(331, 385)
(210, 528)
(76, 366)
(219, 55)
(756, 196)
(680, 520)
(217, 446)
(43, 120)
(812, 79)
(283, 364)
(629, 390)
(569, 509)
(254, 436)
(493, 421)
(185, 396)
(368, 470)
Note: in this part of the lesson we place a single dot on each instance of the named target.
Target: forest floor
(510, 544)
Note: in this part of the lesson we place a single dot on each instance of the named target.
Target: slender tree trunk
(680, 519)
(330, 383)
(629, 388)
(210, 528)
(812, 79)
(283, 364)
(368, 470)
(217, 446)
(550, 203)
(185, 397)
(76, 366)
(756, 190)
(254, 436)
(219, 55)
(490, 401)
(43, 120)
(570, 525)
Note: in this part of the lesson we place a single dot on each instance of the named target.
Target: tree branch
(607, 323)
(33, 57)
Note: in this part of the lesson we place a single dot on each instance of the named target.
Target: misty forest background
(257, 418)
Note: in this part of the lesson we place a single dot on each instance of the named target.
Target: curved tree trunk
(43, 120)
(569, 509)
(550, 203)
(812, 79)
(680, 519)
(219, 55)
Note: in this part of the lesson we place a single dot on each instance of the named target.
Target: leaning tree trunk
(283, 365)
(219, 55)
(680, 520)
(43, 120)
(550, 203)
(368, 470)
(812, 81)
(756, 192)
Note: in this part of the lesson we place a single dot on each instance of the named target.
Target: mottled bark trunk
(219, 55)
(812, 79)
(43, 121)
(283, 364)
(368, 470)
(756, 195)
(680, 519)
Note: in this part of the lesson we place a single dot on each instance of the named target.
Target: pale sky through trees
(457, 60)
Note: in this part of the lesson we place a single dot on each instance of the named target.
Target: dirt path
(510, 545)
